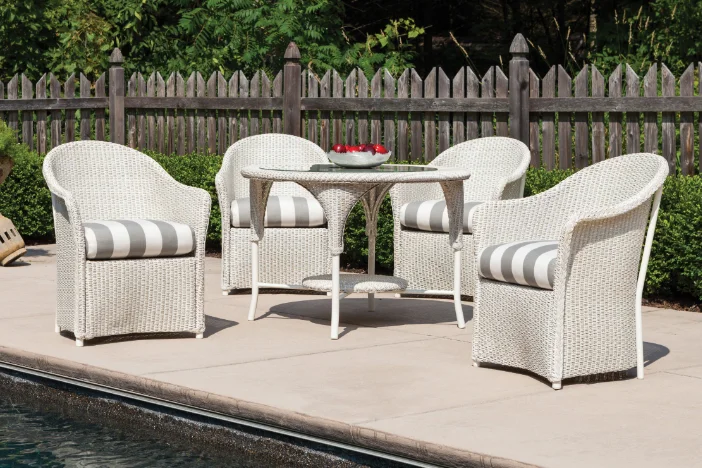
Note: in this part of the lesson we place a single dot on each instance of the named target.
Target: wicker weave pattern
(586, 325)
(498, 166)
(93, 180)
(282, 246)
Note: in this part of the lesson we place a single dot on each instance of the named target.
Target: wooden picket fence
(567, 122)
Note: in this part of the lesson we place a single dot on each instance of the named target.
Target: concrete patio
(398, 380)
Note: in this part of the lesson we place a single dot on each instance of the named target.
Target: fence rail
(567, 122)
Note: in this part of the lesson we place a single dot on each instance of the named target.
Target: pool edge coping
(335, 431)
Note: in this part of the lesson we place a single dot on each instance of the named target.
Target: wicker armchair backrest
(490, 160)
(109, 181)
(271, 149)
(612, 182)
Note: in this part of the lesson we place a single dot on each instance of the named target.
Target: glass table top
(335, 168)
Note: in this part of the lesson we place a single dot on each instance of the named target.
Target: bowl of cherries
(360, 156)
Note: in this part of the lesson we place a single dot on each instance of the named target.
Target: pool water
(30, 438)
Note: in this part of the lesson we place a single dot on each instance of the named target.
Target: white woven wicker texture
(288, 254)
(587, 324)
(93, 180)
(498, 166)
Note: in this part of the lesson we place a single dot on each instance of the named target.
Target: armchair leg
(457, 289)
(79, 343)
(254, 280)
(556, 385)
(476, 363)
(57, 329)
(200, 336)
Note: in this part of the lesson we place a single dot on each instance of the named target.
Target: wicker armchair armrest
(224, 183)
(512, 186)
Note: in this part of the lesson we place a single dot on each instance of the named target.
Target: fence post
(116, 85)
(519, 90)
(291, 91)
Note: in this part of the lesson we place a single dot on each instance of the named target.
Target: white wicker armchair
(288, 254)
(581, 314)
(98, 181)
(498, 166)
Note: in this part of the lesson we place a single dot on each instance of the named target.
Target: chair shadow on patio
(213, 325)
(389, 312)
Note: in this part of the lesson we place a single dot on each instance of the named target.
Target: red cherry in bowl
(353, 149)
(338, 148)
(368, 147)
(380, 149)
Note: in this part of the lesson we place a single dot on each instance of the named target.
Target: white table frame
(338, 195)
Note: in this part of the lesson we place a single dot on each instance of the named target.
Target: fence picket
(598, 126)
(350, 116)
(27, 115)
(376, 86)
(201, 134)
(266, 92)
(221, 116)
(69, 91)
(416, 119)
(337, 92)
(54, 92)
(190, 121)
(487, 91)
(160, 115)
(444, 88)
(668, 88)
(254, 92)
(180, 119)
(211, 119)
(141, 113)
(2, 96)
(100, 113)
(633, 132)
(548, 90)
(402, 135)
(362, 116)
(615, 118)
(324, 91)
(244, 115)
(170, 118)
(430, 118)
(131, 113)
(312, 124)
(472, 90)
(651, 118)
(459, 92)
(12, 116)
(581, 121)
(389, 117)
(534, 122)
(41, 116)
(151, 118)
(501, 90)
(565, 84)
(233, 120)
(687, 135)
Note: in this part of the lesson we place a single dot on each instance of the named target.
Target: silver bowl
(359, 159)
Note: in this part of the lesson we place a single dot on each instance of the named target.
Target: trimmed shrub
(675, 268)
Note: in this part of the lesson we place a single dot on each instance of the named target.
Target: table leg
(371, 267)
(453, 193)
(254, 280)
(335, 297)
(371, 205)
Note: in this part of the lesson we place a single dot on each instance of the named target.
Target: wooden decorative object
(11, 243)
(5, 167)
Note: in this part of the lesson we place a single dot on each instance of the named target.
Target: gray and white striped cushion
(281, 211)
(530, 263)
(137, 238)
(432, 215)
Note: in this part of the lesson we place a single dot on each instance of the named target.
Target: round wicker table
(338, 190)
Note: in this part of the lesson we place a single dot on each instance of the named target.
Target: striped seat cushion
(281, 211)
(137, 238)
(432, 215)
(530, 263)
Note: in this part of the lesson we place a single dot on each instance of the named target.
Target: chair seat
(137, 238)
(529, 263)
(281, 211)
(432, 215)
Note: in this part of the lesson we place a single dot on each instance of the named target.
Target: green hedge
(676, 260)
